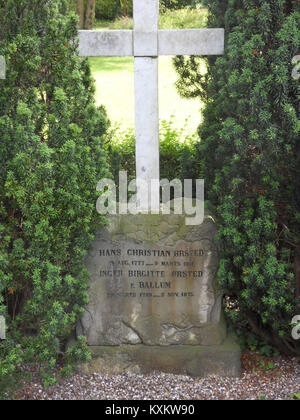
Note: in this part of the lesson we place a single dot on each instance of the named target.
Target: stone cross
(146, 42)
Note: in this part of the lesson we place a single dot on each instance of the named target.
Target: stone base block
(198, 361)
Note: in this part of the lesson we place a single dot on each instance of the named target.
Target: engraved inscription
(144, 271)
(161, 291)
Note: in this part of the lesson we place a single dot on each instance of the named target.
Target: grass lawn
(115, 77)
(115, 89)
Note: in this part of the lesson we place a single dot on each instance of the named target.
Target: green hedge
(178, 4)
(177, 153)
(111, 9)
(107, 9)
(51, 158)
(250, 149)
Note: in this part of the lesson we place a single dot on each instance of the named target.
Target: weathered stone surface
(151, 43)
(106, 43)
(191, 41)
(146, 15)
(152, 285)
(146, 122)
(221, 360)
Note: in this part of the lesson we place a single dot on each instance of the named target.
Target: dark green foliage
(51, 158)
(250, 143)
(178, 4)
(121, 154)
(177, 154)
(108, 9)
(111, 9)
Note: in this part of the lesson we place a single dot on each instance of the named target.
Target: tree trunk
(80, 12)
(90, 14)
(285, 346)
(124, 8)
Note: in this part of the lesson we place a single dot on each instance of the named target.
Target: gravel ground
(262, 378)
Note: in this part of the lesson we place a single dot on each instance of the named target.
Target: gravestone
(153, 282)
(155, 303)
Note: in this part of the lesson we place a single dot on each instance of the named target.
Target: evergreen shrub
(250, 156)
(51, 158)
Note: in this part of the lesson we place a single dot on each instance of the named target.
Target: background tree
(250, 141)
(124, 4)
(86, 12)
(80, 12)
(51, 158)
(90, 14)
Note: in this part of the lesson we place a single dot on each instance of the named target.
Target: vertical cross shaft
(146, 15)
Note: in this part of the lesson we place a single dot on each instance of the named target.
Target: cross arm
(191, 42)
(109, 43)
(121, 43)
